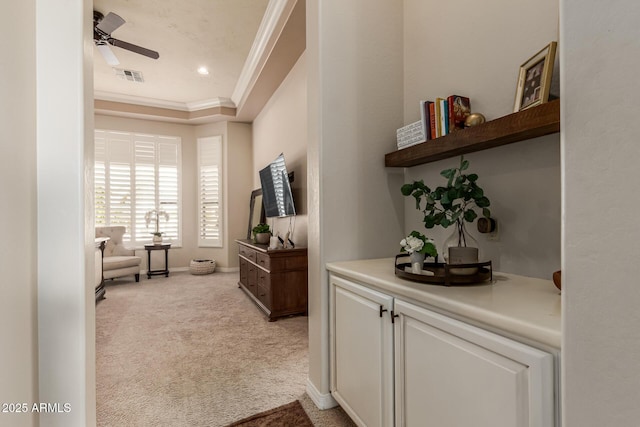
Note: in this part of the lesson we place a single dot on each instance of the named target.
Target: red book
(459, 109)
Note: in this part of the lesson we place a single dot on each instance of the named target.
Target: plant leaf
(486, 213)
(448, 173)
(464, 164)
(407, 189)
(429, 221)
(483, 202)
(430, 249)
(477, 193)
(470, 215)
(472, 177)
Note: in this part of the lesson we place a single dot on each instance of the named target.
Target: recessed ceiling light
(203, 71)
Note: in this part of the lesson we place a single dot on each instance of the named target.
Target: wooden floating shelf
(540, 120)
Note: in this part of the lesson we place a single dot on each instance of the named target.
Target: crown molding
(137, 111)
(167, 105)
(139, 100)
(210, 103)
(273, 22)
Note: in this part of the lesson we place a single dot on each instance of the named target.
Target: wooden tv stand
(275, 280)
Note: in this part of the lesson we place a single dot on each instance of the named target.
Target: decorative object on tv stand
(261, 234)
(155, 215)
(453, 204)
(418, 246)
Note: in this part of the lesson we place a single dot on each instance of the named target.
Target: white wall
(281, 127)
(66, 310)
(354, 58)
(18, 306)
(238, 186)
(601, 293)
(480, 57)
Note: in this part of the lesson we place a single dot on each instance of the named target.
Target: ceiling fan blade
(134, 48)
(108, 55)
(110, 23)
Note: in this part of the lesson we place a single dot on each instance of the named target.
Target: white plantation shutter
(100, 181)
(169, 197)
(119, 204)
(146, 186)
(134, 174)
(209, 192)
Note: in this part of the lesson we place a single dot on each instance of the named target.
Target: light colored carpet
(195, 351)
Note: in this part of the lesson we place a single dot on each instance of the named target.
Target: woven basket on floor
(202, 266)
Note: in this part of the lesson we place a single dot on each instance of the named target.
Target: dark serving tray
(444, 273)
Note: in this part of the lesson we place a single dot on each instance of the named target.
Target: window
(135, 174)
(209, 192)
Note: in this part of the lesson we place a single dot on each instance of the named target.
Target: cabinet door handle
(393, 316)
(382, 310)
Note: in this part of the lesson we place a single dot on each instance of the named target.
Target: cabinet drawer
(264, 279)
(248, 253)
(263, 260)
(290, 263)
(244, 271)
(264, 296)
(252, 278)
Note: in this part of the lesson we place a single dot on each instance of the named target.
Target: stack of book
(438, 118)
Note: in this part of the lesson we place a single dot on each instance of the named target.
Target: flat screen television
(276, 189)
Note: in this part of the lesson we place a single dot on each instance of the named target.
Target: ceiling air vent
(132, 76)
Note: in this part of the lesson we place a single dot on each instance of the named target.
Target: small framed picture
(534, 79)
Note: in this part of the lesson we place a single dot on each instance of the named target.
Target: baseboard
(322, 400)
(220, 269)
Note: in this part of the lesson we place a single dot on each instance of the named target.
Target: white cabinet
(362, 353)
(394, 363)
(451, 374)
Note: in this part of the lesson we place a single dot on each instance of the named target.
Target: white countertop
(522, 306)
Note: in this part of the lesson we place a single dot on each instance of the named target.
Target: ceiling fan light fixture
(203, 71)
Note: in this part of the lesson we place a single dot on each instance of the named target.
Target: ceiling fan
(103, 26)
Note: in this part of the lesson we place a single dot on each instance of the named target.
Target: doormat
(287, 415)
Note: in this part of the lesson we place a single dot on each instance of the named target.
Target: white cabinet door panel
(451, 374)
(362, 353)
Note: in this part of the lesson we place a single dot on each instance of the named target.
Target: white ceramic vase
(417, 261)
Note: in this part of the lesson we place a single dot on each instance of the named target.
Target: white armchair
(118, 261)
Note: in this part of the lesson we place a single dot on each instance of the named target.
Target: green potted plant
(453, 204)
(261, 233)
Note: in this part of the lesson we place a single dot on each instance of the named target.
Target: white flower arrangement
(154, 215)
(417, 242)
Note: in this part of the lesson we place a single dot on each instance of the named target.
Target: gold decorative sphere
(474, 120)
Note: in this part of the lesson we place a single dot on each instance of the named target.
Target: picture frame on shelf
(534, 79)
